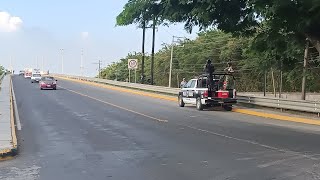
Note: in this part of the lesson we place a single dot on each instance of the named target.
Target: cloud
(9, 23)
(84, 35)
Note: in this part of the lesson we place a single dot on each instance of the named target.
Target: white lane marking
(114, 105)
(278, 162)
(17, 116)
(245, 159)
(300, 154)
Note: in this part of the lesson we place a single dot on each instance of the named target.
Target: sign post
(133, 64)
(135, 76)
(129, 76)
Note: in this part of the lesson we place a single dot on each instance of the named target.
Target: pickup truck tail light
(205, 93)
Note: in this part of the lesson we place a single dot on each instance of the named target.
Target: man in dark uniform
(209, 69)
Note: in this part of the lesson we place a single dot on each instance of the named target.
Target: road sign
(132, 63)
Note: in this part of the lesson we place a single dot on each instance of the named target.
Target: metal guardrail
(145, 87)
(287, 104)
(279, 103)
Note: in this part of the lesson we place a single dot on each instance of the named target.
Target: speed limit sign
(132, 63)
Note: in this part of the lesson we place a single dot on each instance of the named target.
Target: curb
(172, 98)
(8, 153)
(277, 116)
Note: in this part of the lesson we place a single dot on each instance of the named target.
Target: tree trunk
(143, 54)
(317, 46)
(273, 83)
(315, 42)
(305, 61)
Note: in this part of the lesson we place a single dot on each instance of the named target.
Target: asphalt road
(85, 132)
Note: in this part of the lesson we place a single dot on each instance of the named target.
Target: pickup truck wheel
(227, 107)
(199, 104)
(180, 101)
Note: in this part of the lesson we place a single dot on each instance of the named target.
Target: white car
(35, 78)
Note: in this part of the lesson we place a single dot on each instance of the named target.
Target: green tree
(297, 17)
(1, 70)
(250, 56)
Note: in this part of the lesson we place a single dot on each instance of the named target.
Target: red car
(48, 83)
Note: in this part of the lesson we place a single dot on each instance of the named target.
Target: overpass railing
(278, 103)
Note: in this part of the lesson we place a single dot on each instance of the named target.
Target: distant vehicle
(21, 73)
(36, 71)
(35, 77)
(44, 73)
(48, 82)
(222, 93)
(28, 73)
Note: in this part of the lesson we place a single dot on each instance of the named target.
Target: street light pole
(37, 62)
(62, 70)
(42, 64)
(11, 68)
(81, 63)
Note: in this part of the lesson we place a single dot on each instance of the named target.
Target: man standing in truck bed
(209, 69)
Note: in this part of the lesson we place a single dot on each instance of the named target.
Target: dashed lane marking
(114, 105)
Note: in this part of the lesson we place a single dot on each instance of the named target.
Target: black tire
(199, 105)
(54, 88)
(31, 81)
(180, 101)
(41, 89)
(227, 107)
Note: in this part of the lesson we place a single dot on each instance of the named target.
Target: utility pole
(62, 70)
(81, 63)
(304, 74)
(171, 57)
(152, 50)
(99, 68)
(11, 68)
(143, 53)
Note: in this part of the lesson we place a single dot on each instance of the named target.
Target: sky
(33, 32)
